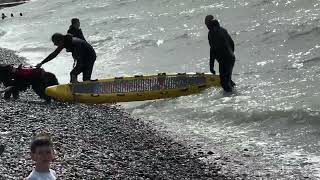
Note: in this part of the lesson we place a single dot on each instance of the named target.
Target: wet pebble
(210, 153)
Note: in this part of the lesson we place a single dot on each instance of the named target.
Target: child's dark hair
(40, 140)
(74, 20)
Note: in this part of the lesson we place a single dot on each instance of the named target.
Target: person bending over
(221, 49)
(82, 53)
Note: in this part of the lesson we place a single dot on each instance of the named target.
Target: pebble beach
(92, 141)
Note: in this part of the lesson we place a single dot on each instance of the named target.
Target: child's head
(75, 22)
(42, 151)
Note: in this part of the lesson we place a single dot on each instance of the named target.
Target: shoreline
(92, 141)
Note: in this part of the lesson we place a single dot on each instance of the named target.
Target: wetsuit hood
(213, 25)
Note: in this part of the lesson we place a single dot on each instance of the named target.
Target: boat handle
(202, 86)
(184, 89)
(164, 92)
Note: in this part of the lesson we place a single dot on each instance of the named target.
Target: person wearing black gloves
(221, 49)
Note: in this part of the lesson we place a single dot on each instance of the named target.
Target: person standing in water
(221, 49)
(75, 30)
(82, 52)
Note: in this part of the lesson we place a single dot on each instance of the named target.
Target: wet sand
(92, 141)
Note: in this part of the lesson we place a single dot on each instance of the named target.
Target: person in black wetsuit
(75, 30)
(82, 52)
(3, 16)
(221, 49)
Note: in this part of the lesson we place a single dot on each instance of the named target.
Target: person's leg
(13, 91)
(233, 83)
(9, 92)
(7, 95)
(75, 72)
(225, 76)
(87, 72)
(15, 95)
(231, 70)
(39, 89)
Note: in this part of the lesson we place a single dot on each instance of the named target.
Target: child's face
(43, 156)
(76, 25)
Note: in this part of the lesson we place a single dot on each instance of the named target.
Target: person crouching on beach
(82, 53)
(42, 153)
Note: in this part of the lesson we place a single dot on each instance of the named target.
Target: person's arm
(212, 54)
(51, 56)
(212, 59)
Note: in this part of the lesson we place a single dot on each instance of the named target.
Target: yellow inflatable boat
(136, 88)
